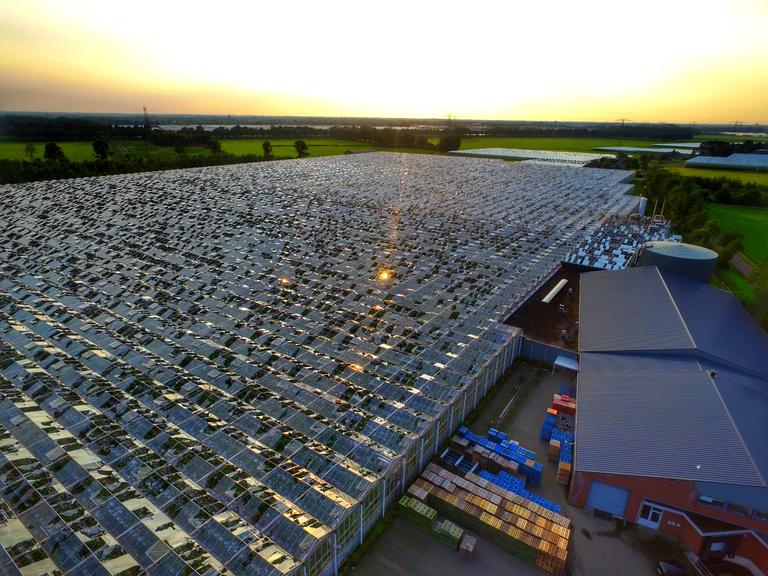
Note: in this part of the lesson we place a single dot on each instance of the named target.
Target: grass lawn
(752, 222)
(77, 151)
(756, 177)
(727, 138)
(564, 144)
(736, 284)
(284, 147)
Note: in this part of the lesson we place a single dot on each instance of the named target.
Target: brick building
(672, 426)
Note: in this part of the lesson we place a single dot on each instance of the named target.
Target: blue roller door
(607, 498)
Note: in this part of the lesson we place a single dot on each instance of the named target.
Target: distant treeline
(385, 137)
(200, 136)
(15, 171)
(634, 131)
(34, 128)
(723, 149)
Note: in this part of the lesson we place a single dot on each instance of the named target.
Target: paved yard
(597, 547)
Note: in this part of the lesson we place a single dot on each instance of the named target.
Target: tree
(101, 149)
(645, 161)
(759, 305)
(267, 147)
(301, 148)
(180, 150)
(730, 243)
(53, 152)
(723, 195)
(449, 143)
(215, 147)
(30, 150)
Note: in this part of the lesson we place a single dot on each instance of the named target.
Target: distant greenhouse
(541, 156)
(755, 162)
(236, 370)
(635, 150)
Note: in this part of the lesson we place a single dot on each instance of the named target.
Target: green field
(736, 284)
(284, 147)
(756, 177)
(563, 144)
(79, 151)
(752, 222)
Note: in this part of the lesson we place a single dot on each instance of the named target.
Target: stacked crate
(553, 455)
(467, 548)
(448, 533)
(564, 473)
(506, 449)
(417, 513)
(548, 425)
(564, 404)
(481, 456)
(517, 486)
(531, 532)
(418, 493)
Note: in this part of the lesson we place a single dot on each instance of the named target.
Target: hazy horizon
(595, 61)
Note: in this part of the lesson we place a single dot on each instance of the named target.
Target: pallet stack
(516, 524)
(417, 513)
(507, 449)
(548, 425)
(484, 457)
(517, 486)
(467, 548)
(448, 533)
(553, 455)
(418, 493)
(563, 473)
(564, 404)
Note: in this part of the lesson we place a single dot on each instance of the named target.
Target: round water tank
(685, 259)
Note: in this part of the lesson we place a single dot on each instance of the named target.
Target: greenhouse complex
(237, 370)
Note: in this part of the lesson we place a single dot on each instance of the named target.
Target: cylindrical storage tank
(695, 262)
(641, 208)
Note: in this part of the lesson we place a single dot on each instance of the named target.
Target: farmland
(563, 144)
(743, 175)
(752, 222)
(79, 151)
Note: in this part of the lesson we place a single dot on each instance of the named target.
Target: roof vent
(713, 373)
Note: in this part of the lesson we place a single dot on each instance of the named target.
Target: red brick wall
(680, 493)
(687, 532)
(750, 547)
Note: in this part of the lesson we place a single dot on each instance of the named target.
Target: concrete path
(741, 265)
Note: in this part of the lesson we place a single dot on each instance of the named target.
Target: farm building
(673, 411)
(236, 370)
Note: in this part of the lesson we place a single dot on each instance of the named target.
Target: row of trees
(384, 137)
(55, 164)
(723, 149)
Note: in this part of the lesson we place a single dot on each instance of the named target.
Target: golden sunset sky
(590, 60)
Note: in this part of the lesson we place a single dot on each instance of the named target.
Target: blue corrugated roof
(658, 407)
(719, 325)
(629, 310)
(659, 424)
(599, 362)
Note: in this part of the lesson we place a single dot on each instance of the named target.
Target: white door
(650, 516)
